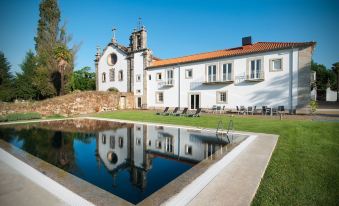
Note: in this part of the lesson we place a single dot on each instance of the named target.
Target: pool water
(131, 161)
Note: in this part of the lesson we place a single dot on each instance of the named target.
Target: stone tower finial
(139, 23)
(113, 38)
(98, 51)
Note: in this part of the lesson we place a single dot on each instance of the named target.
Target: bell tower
(138, 38)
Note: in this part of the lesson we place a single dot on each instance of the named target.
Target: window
(227, 72)
(149, 77)
(159, 77)
(189, 73)
(169, 77)
(212, 73)
(222, 97)
(138, 78)
(112, 142)
(121, 75)
(188, 149)
(138, 141)
(157, 144)
(159, 97)
(255, 69)
(169, 144)
(103, 139)
(112, 59)
(276, 65)
(121, 142)
(149, 143)
(111, 75)
(104, 77)
(138, 91)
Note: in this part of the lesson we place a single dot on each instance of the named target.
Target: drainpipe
(178, 85)
(291, 83)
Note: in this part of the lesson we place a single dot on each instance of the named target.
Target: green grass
(20, 116)
(55, 116)
(304, 168)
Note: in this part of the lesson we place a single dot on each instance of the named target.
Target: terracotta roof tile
(247, 49)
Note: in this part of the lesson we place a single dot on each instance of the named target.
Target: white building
(253, 74)
(133, 147)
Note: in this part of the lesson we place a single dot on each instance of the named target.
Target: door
(122, 102)
(139, 102)
(194, 101)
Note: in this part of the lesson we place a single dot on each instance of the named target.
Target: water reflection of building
(133, 147)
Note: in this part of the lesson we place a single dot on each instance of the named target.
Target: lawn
(304, 168)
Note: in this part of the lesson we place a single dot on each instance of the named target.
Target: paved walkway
(237, 183)
(17, 190)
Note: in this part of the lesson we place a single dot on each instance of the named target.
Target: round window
(112, 59)
(112, 157)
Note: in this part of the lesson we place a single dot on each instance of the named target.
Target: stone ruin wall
(77, 103)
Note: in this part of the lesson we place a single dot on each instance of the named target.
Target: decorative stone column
(96, 61)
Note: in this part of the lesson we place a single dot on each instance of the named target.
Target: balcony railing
(166, 83)
(212, 79)
(256, 76)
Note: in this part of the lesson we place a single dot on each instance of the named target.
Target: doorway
(122, 103)
(194, 101)
(139, 102)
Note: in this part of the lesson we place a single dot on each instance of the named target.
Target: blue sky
(176, 28)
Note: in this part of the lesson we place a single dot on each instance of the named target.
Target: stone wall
(73, 104)
(304, 80)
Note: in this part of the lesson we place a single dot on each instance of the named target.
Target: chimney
(246, 40)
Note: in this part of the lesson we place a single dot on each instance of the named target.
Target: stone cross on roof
(113, 38)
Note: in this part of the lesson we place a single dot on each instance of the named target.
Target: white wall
(331, 96)
(273, 91)
(104, 67)
(138, 70)
(104, 148)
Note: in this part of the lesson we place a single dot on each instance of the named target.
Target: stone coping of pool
(99, 196)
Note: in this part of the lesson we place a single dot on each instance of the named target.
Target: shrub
(113, 89)
(314, 106)
(20, 116)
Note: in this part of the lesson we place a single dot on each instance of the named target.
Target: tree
(83, 79)
(51, 44)
(335, 69)
(23, 83)
(47, 32)
(64, 57)
(41, 81)
(324, 77)
(6, 79)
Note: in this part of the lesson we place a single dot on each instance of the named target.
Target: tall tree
(335, 69)
(64, 57)
(51, 44)
(25, 88)
(6, 79)
(48, 27)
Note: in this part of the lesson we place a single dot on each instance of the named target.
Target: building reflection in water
(133, 148)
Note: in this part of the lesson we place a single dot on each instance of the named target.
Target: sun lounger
(196, 114)
(183, 113)
(174, 112)
(161, 113)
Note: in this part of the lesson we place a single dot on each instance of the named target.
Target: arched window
(112, 59)
(104, 77)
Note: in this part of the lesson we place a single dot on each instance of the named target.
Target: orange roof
(247, 49)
